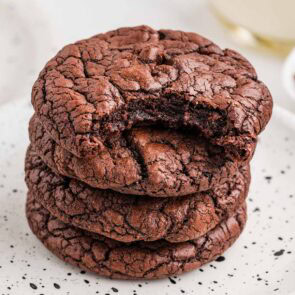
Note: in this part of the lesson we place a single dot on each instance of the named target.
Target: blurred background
(32, 31)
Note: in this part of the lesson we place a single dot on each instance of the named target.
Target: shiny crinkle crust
(128, 218)
(149, 260)
(94, 89)
(145, 161)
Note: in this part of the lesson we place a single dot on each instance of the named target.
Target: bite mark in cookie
(95, 89)
(145, 161)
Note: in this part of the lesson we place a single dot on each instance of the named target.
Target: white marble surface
(33, 30)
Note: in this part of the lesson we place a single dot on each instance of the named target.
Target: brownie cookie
(95, 89)
(145, 161)
(149, 260)
(132, 218)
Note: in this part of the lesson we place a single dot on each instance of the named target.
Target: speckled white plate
(261, 262)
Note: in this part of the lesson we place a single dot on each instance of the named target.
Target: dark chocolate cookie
(146, 161)
(149, 260)
(132, 218)
(93, 90)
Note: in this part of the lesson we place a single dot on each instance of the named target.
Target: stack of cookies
(140, 146)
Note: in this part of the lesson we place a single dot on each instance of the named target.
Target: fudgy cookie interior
(93, 90)
(146, 161)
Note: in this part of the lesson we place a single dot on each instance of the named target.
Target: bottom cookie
(149, 260)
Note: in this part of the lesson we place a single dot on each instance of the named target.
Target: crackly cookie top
(94, 89)
(130, 218)
(145, 161)
(149, 260)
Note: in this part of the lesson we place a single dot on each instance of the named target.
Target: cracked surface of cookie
(130, 218)
(146, 161)
(149, 260)
(94, 89)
